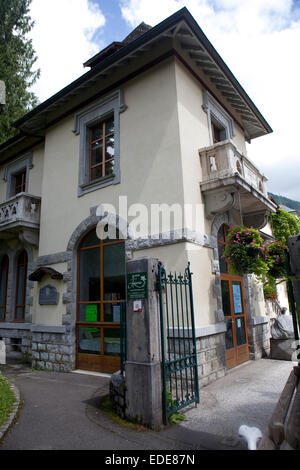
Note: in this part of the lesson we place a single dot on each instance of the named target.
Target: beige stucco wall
(50, 315)
(36, 173)
(175, 258)
(149, 157)
(194, 135)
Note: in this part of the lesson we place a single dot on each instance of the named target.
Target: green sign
(91, 313)
(137, 286)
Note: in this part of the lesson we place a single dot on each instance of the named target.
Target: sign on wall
(48, 295)
(137, 286)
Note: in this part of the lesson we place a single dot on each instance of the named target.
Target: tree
(284, 225)
(17, 58)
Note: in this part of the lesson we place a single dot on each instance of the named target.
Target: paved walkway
(60, 412)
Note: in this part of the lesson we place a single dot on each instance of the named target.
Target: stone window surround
(216, 113)
(11, 282)
(15, 167)
(89, 116)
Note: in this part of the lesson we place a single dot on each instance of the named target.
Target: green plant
(176, 417)
(7, 399)
(284, 225)
(244, 251)
(269, 287)
(276, 259)
(25, 359)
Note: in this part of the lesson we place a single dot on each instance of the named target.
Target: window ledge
(98, 184)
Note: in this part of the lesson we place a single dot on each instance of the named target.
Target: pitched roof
(180, 26)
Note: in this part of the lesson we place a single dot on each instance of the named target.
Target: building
(157, 119)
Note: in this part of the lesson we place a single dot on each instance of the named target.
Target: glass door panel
(226, 297)
(237, 297)
(112, 342)
(89, 312)
(114, 272)
(89, 275)
(229, 335)
(240, 331)
(89, 340)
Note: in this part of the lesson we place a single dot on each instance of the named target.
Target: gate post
(143, 374)
(294, 288)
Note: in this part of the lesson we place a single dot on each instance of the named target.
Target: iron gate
(178, 341)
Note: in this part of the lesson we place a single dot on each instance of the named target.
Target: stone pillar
(294, 248)
(143, 365)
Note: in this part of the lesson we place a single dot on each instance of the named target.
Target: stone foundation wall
(211, 358)
(45, 347)
(258, 338)
(17, 339)
(117, 392)
(53, 350)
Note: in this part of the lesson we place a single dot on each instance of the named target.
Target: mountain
(285, 201)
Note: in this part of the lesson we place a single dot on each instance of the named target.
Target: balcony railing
(231, 180)
(20, 211)
(223, 160)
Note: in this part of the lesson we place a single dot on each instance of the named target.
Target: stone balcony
(230, 181)
(20, 218)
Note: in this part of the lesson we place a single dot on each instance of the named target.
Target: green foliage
(269, 287)
(175, 417)
(276, 259)
(244, 251)
(7, 399)
(17, 58)
(284, 225)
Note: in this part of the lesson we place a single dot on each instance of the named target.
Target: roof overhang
(181, 27)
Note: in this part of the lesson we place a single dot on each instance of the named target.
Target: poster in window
(237, 298)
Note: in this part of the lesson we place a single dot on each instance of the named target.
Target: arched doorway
(236, 338)
(100, 293)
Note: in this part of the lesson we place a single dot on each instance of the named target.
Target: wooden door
(100, 292)
(236, 339)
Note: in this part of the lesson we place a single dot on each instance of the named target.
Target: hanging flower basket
(244, 251)
(276, 259)
(270, 292)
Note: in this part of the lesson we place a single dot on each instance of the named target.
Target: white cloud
(62, 38)
(258, 40)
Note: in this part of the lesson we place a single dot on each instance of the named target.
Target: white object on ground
(251, 436)
(2, 352)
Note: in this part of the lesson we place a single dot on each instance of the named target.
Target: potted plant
(269, 287)
(276, 259)
(244, 251)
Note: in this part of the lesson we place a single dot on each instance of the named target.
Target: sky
(258, 39)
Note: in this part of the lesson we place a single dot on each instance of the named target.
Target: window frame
(217, 115)
(23, 164)
(4, 270)
(104, 161)
(23, 182)
(110, 105)
(24, 286)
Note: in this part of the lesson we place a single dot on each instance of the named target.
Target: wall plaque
(48, 295)
(137, 286)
